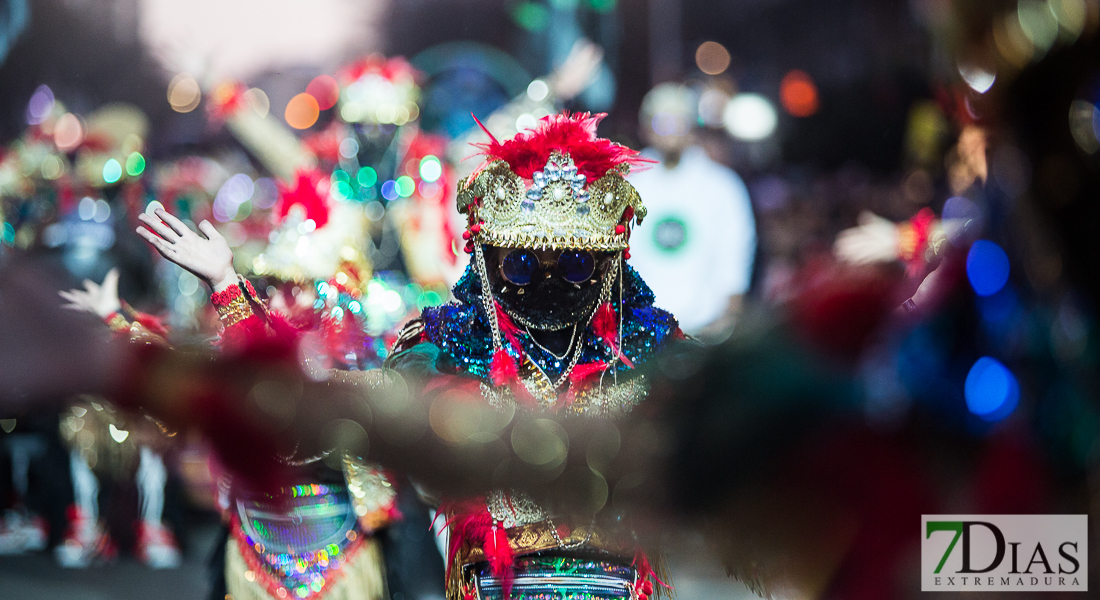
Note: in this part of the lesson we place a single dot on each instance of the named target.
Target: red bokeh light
(325, 90)
(798, 94)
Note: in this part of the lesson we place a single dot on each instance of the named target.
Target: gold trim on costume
(557, 212)
(236, 311)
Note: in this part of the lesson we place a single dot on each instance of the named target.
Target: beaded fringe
(660, 568)
(363, 577)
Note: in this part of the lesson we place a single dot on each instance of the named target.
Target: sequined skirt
(296, 544)
(547, 577)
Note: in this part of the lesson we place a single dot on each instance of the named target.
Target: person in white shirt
(697, 250)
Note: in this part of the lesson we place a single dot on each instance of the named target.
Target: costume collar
(461, 330)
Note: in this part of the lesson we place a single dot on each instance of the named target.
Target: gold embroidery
(238, 310)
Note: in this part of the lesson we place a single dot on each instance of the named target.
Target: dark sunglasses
(520, 266)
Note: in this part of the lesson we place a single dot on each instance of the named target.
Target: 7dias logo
(1008, 553)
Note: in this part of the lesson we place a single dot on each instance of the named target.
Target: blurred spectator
(697, 252)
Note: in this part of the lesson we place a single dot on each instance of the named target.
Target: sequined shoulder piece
(461, 333)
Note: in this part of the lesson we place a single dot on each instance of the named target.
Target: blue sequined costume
(461, 331)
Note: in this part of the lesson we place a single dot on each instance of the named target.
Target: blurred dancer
(325, 534)
(97, 435)
(698, 253)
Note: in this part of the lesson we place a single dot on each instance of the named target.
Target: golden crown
(559, 210)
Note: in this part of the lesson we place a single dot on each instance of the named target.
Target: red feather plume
(574, 134)
(605, 324)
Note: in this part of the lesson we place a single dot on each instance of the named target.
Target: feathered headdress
(555, 186)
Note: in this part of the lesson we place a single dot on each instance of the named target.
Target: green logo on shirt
(670, 234)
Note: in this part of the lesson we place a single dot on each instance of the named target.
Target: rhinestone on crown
(555, 210)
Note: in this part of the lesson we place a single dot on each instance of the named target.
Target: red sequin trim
(226, 296)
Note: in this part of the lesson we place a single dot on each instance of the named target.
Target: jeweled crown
(555, 206)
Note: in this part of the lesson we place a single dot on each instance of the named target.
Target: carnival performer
(318, 536)
(548, 318)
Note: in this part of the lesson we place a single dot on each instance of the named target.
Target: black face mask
(546, 303)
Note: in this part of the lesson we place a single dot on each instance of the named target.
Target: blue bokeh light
(986, 268)
(390, 191)
(991, 390)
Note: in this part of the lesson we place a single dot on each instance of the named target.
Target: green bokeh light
(405, 186)
(135, 164)
(341, 190)
(367, 177)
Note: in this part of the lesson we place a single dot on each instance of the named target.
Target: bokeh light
(366, 176)
(340, 190)
(526, 121)
(980, 79)
(537, 90)
(266, 193)
(258, 100)
(711, 104)
(798, 94)
(430, 168)
(112, 171)
(184, 93)
(1084, 125)
(324, 89)
(750, 117)
(532, 16)
(986, 267)
(85, 209)
(302, 111)
(1072, 16)
(349, 147)
(102, 211)
(430, 190)
(991, 390)
(1011, 41)
(68, 133)
(389, 190)
(712, 58)
(135, 164)
(52, 167)
(405, 186)
(40, 105)
(237, 190)
(1038, 23)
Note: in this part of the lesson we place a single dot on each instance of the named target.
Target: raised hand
(206, 256)
(874, 240)
(98, 299)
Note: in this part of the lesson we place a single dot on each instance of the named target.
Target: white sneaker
(85, 543)
(21, 532)
(157, 547)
